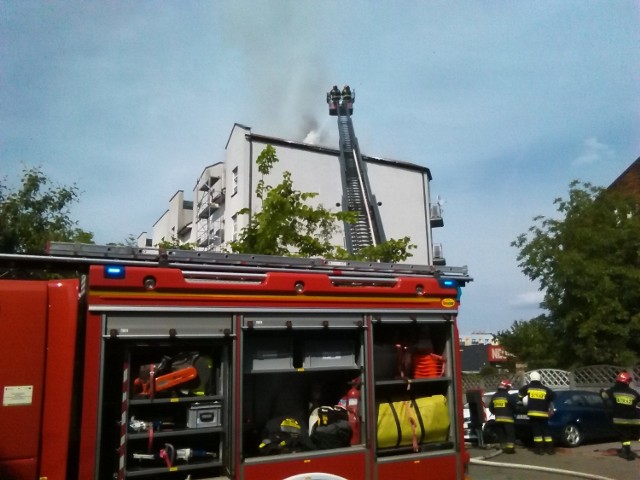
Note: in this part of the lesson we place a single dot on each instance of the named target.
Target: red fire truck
(197, 365)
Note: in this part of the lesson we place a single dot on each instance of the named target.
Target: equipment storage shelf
(156, 401)
(176, 433)
(290, 351)
(294, 367)
(413, 385)
(171, 472)
(413, 381)
(173, 408)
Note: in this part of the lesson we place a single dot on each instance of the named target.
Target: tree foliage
(287, 225)
(588, 264)
(534, 341)
(36, 213)
(393, 250)
(175, 244)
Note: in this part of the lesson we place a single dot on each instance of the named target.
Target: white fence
(593, 377)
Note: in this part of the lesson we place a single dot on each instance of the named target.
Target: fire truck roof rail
(87, 254)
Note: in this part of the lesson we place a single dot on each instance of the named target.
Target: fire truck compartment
(163, 325)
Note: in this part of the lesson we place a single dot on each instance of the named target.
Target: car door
(579, 408)
(601, 423)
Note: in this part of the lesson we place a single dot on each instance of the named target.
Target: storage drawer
(329, 353)
(271, 354)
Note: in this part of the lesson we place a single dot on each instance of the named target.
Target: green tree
(588, 264)
(532, 341)
(36, 213)
(175, 244)
(286, 225)
(393, 250)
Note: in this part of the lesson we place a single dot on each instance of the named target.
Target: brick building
(629, 180)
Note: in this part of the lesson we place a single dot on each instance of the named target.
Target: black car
(578, 416)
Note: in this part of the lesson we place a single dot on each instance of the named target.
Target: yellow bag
(413, 422)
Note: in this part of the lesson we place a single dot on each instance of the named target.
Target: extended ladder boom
(367, 230)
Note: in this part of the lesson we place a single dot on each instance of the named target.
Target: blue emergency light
(448, 283)
(114, 271)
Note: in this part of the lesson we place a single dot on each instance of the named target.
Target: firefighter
(538, 403)
(503, 406)
(335, 94)
(346, 93)
(626, 416)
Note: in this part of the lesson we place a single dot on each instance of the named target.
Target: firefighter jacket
(625, 402)
(539, 399)
(503, 406)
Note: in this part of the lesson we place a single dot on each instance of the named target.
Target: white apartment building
(478, 338)
(210, 219)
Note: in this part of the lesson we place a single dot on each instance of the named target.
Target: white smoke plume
(286, 68)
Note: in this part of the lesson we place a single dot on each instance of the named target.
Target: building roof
(327, 150)
(629, 180)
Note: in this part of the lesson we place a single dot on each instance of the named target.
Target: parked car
(578, 416)
(470, 434)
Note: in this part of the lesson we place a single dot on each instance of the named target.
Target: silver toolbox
(202, 415)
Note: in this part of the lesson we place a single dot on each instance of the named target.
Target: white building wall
(401, 188)
(310, 172)
(237, 159)
(173, 221)
(403, 199)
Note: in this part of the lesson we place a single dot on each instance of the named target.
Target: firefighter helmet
(623, 377)
(506, 384)
(534, 376)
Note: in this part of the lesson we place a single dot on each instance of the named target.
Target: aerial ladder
(357, 196)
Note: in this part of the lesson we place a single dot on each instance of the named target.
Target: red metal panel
(61, 349)
(276, 289)
(18, 469)
(436, 468)
(350, 466)
(91, 388)
(23, 316)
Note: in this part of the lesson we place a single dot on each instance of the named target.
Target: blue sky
(505, 102)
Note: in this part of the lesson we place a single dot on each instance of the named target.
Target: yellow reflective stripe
(504, 420)
(538, 414)
(626, 421)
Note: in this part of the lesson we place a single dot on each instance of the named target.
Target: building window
(235, 181)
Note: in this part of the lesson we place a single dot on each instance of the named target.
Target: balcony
(208, 209)
(435, 215)
(208, 183)
(438, 257)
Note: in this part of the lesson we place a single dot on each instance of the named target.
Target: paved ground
(595, 459)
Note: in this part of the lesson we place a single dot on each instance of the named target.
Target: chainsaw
(190, 371)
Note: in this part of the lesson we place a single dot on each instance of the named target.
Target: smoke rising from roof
(286, 84)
